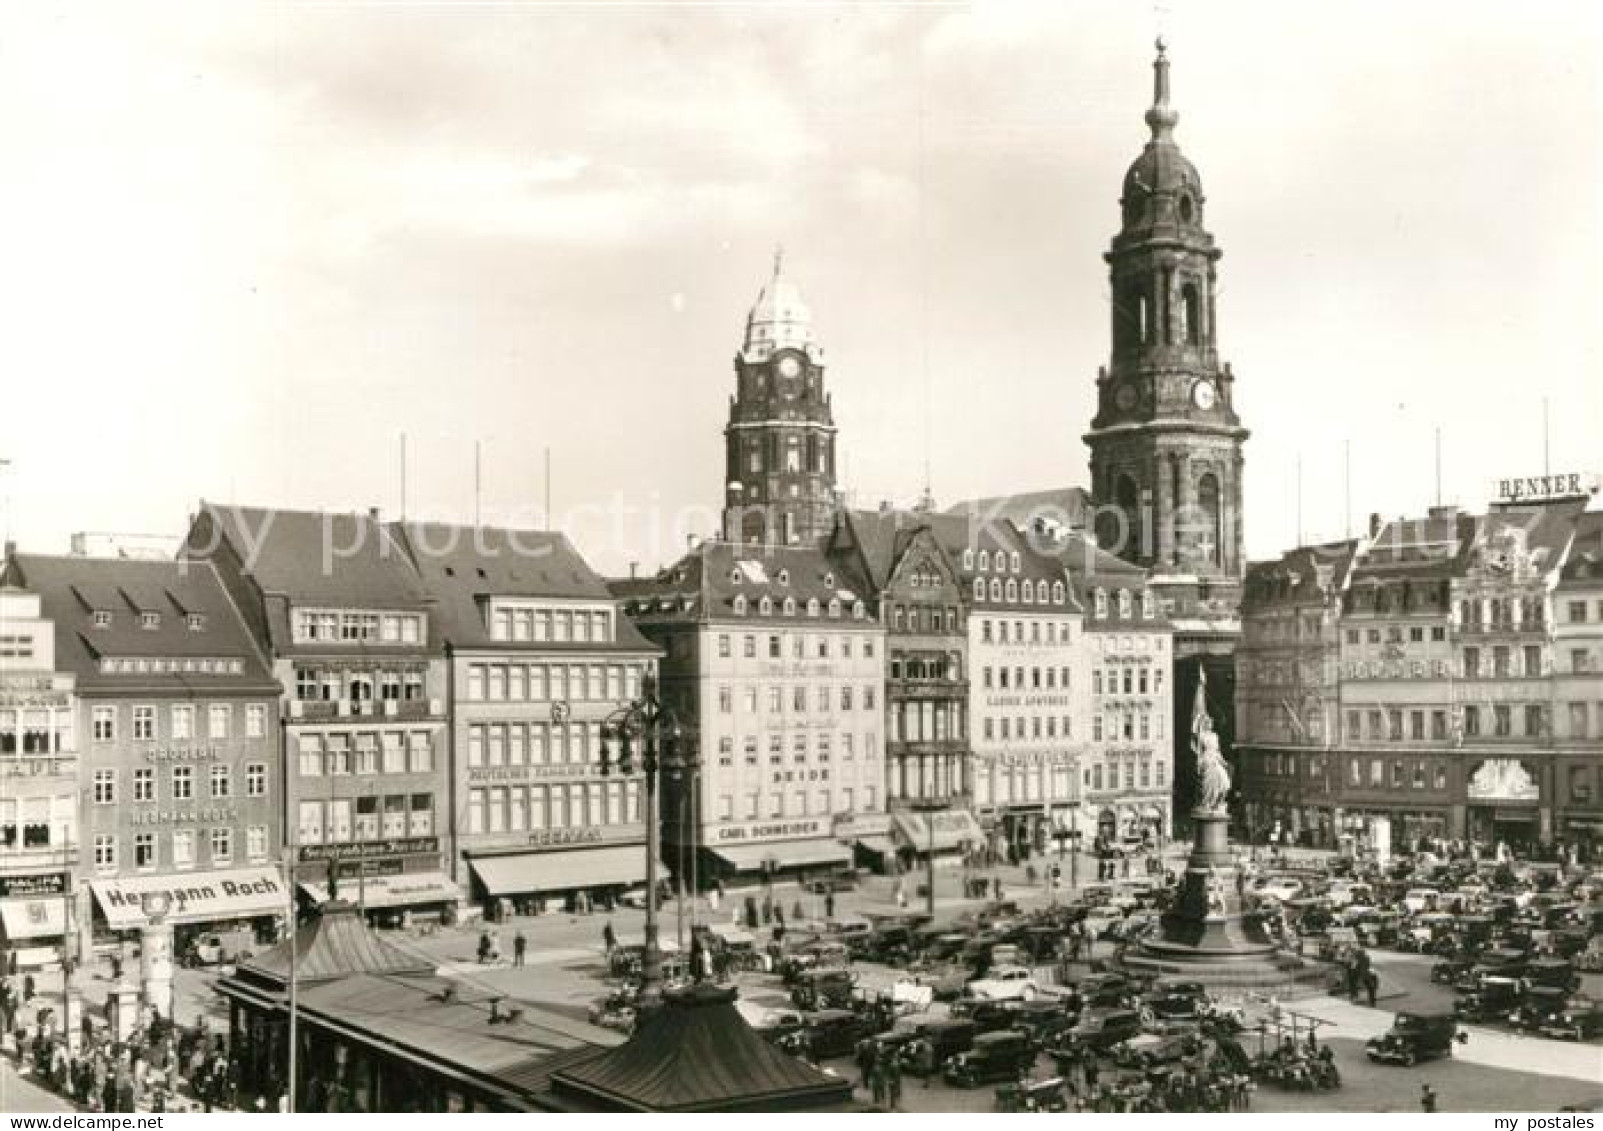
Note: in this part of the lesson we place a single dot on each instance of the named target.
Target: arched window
(1012, 589)
(968, 559)
(740, 604)
(834, 607)
(1013, 561)
(1027, 592)
(829, 581)
(1101, 602)
(1146, 606)
(996, 589)
(1190, 315)
(1143, 316)
(1124, 603)
(784, 577)
(812, 606)
(1059, 594)
(859, 611)
(790, 606)
(1209, 545)
(1187, 209)
(979, 588)
(765, 607)
(985, 559)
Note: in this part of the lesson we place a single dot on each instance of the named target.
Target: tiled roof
(459, 566)
(1301, 576)
(344, 560)
(964, 536)
(334, 944)
(695, 1054)
(1060, 507)
(1584, 563)
(707, 582)
(73, 589)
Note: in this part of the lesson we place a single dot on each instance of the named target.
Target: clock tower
(1166, 461)
(1166, 442)
(779, 481)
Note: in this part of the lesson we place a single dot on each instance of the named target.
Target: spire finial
(1162, 117)
(779, 259)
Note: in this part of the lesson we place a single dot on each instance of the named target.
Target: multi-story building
(772, 660)
(896, 559)
(1457, 687)
(1578, 687)
(179, 742)
(1127, 768)
(334, 602)
(1288, 693)
(538, 657)
(779, 481)
(1028, 694)
(39, 840)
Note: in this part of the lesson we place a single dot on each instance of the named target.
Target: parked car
(1580, 1020)
(1100, 1029)
(1109, 989)
(1177, 1001)
(994, 1057)
(219, 948)
(880, 1047)
(1281, 888)
(830, 988)
(1493, 999)
(1553, 972)
(937, 1042)
(1004, 983)
(1537, 1007)
(946, 980)
(1414, 1037)
(828, 1033)
(1147, 1050)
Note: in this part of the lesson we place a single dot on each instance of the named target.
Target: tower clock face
(1125, 397)
(1203, 396)
(789, 367)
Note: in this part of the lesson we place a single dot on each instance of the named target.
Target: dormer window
(985, 560)
(1146, 606)
(1101, 602)
(765, 607)
(1027, 592)
(1124, 603)
(1012, 590)
(740, 605)
(829, 581)
(812, 606)
(102, 619)
(858, 611)
(149, 620)
(979, 588)
(1059, 594)
(195, 622)
(968, 559)
(1013, 562)
(784, 577)
(834, 608)
(790, 606)
(996, 589)
(734, 576)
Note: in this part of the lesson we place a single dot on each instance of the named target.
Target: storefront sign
(551, 838)
(390, 866)
(1503, 779)
(542, 772)
(769, 830)
(222, 815)
(851, 826)
(182, 754)
(370, 849)
(197, 898)
(1028, 701)
(41, 883)
(1541, 487)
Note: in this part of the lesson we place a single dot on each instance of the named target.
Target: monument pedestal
(1205, 937)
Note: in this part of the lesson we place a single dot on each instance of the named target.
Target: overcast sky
(245, 248)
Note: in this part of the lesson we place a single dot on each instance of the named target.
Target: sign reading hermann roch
(239, 893)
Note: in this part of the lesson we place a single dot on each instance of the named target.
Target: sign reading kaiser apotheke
(770, 830)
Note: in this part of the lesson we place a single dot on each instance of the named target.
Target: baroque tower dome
(780, 319)
(1162, 187)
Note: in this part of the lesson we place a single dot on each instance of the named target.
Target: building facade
(179, 765)
(538, 657)
(1288, 693)
(779, 481)
(1028, 690)
(1456, 683)
(351, 633)
(1578, 687)
(40, 844)
(913, 587)
(773, 661)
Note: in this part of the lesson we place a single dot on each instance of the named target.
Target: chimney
(634, 571)
(1374, 525)
(373, 513)
(1446, 512)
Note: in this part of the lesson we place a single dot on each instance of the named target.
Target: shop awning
(33, 918)
(952, 827)
(878, 845)
(195, 897)
(615, 865)
(785, 853)
(390, 891)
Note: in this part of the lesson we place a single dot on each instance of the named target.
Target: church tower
(780, 443)
(1166, 460)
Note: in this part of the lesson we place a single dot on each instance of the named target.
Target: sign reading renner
(769, 830)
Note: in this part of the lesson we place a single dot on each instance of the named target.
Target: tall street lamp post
(648, 737)
(929, 807)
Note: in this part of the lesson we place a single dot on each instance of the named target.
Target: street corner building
(537, 656)
(353, 640)
(174, 717)
(1441, 678)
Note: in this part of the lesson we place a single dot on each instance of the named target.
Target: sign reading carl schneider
(769, 830)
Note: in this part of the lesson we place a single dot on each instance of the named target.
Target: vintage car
(1450, 971)
(1537, 1006)
(219, 948)
(1278, 888)
(1580, 1019)
(1003, 1055)
(1493, 999)
(880, 1047)
(1033, 1096)
(1004, 983)
(820, 954)
(828, 1033)
(1552, 972)
(830, 988)
(1499, 962)
(1414, 1037)
(1147, 1050)
(616, 1011)
(1108, 989)
(1176, 1001)
(1099, 1029)
(936, 1042)
(775, 1023)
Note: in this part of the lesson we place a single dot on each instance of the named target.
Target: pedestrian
(996, 888)
(27, 988)
(484, 947)
(1427, 1099)
(901, 896)
(893, 1083)
(829, 905)
(609, 938)
(876, 1080)
(1372, 986)
(520, 944)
